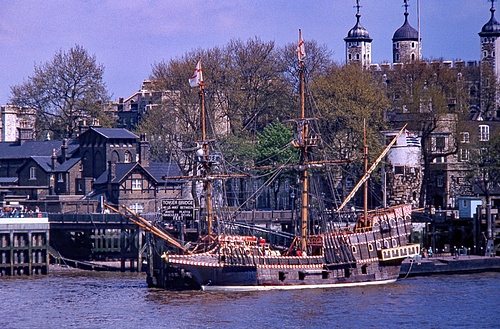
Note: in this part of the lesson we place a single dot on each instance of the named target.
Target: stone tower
(406, 47)
(358, 43)
(490, 63)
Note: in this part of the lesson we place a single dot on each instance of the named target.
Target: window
(440, 181)
(413, 44)
(484, 133)
(464, 137)
(128, 157)
(60, 177)
(440, 144)
(464, 155)
(33, 173)
(79, 186)
(137, 207)
(136, 184)
(439, 160)
(399, 170)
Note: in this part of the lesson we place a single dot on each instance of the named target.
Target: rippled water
(111, 300)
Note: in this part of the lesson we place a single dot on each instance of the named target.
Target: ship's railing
(274, 237)
(399, 252)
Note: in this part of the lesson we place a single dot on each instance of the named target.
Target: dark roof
(156, 170)
(405, 32)
(114, 133)
(160, 169)
(492, 28)
(8, 180)
(358, 32)
(121, 171)
(67, 165)
(44, 162)
(14, 150)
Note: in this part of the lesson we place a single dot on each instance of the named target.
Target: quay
(24, 244)
(459, 264)
(100, 242)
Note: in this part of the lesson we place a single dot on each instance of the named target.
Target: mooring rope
(409, 269)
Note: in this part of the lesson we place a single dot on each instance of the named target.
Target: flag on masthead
(197, 77)
(301, 50)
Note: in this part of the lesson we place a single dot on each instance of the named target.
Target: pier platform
(449, 265)
(23, 245)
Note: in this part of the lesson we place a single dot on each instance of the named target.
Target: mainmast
(365, 187)
(203, 154)
(303, 142)
(304, 155)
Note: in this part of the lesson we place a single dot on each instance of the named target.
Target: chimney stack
(54, 159)
(144, 150)
(64, 150)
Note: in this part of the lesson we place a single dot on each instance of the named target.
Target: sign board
(175, 209)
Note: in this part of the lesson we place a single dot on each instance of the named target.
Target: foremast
(206, 161)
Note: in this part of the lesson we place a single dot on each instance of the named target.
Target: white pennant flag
(301, 50)
(197, 77)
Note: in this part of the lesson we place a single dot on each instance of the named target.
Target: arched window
(128, 157)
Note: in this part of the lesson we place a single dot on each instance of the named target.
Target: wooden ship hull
(371, 255)
(371, 252)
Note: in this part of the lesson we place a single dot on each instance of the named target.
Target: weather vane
(357, 6)
(406, 6)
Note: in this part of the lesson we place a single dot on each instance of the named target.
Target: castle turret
(358, 43)
(490, 62)
(405, 44)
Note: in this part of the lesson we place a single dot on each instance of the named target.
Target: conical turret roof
(406, 32)
(358, 32)
(492, 28)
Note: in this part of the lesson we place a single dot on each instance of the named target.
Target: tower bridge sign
(175, 209)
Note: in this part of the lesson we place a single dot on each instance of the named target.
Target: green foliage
(274, 145)
(238, 150)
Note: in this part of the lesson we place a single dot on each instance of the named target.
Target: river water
(77, 299)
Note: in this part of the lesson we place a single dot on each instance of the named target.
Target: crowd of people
(15, 212)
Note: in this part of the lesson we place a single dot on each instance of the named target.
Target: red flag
(197, 77)
(301, 50)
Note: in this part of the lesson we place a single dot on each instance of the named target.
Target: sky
(129, 36)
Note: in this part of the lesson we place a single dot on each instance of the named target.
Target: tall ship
(368, 252)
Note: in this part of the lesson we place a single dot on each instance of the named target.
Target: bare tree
(63, 91)
(346, 96)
